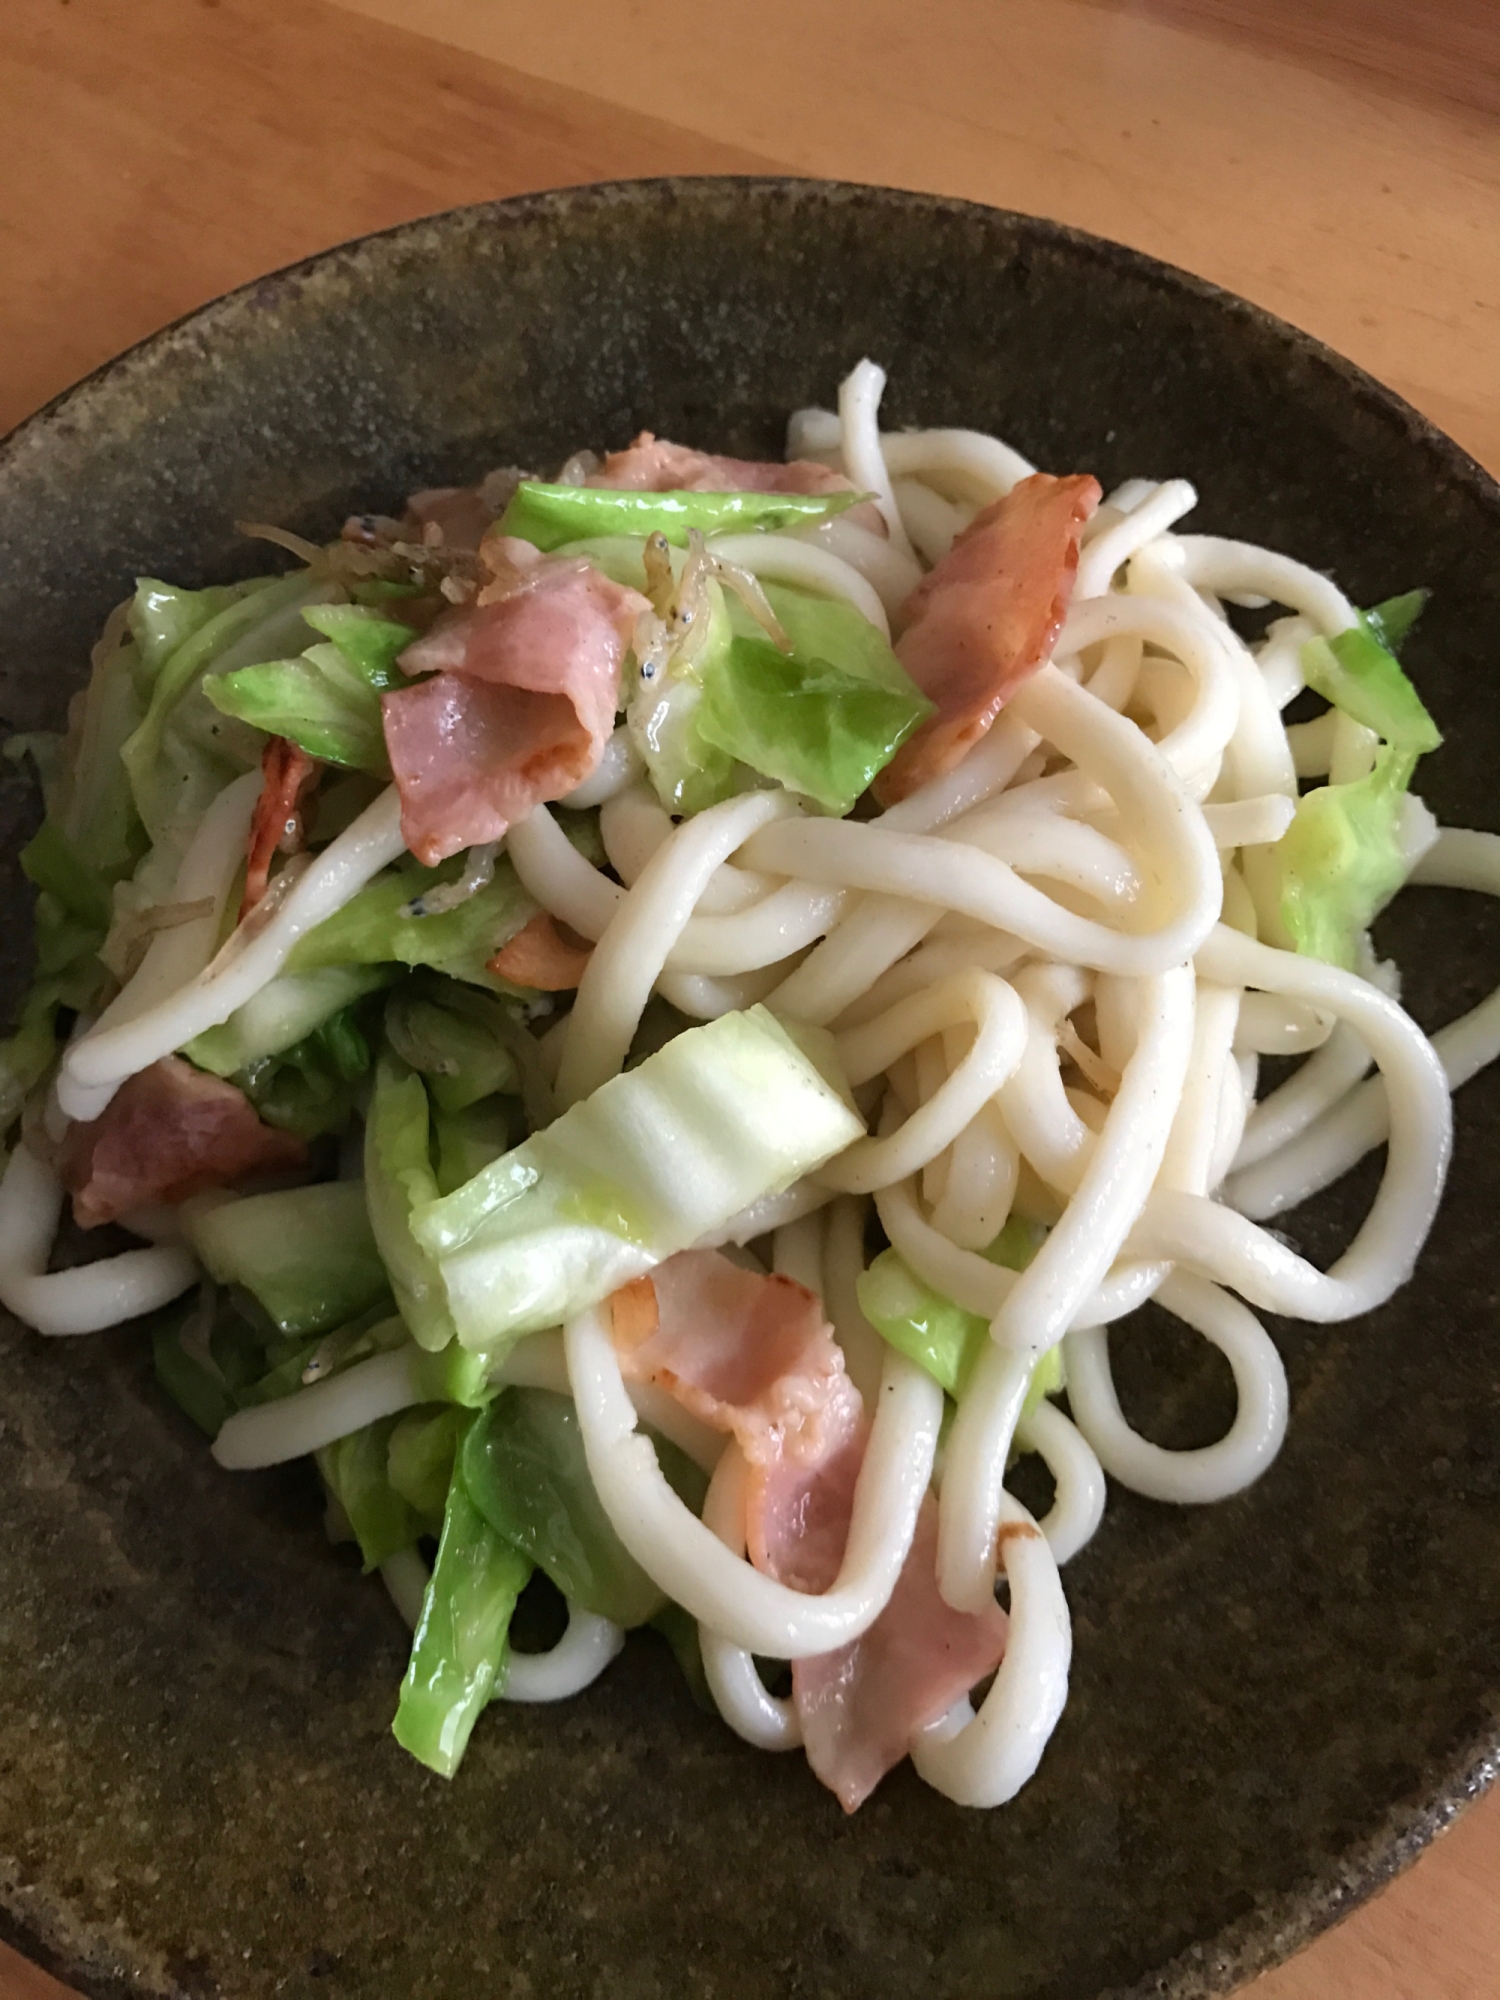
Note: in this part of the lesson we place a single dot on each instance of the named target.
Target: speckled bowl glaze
(1275, 1702)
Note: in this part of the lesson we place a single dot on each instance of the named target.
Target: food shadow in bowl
(1275, 1701)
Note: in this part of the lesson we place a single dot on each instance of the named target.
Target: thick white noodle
(891, 575)
(293, 1426)
(1112, 549)
(406, 1577)
(1239, 569)
(1227, 1246)
(797, 1249)
(1211, 1472)
(786, 559)
(1323, 1151)
(629, 957)
(859, 438)
(984, 1759)
(633, 826)
(1046, 1298)
(999, 1022)
(1122, 1167)
(1078, 1504)
(932, 523)
(747, 940)
(99, 1062)
(967, 464)
(768, 1721)
(272, 1433)
(207, 874)
(1327, 1076)
(574, 1663)
(617, 769)
(843, 1263)
(91, 1296)
(693, 1566)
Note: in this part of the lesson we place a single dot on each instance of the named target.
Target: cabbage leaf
(654, 1160)
(552, 516)
(459, 1649)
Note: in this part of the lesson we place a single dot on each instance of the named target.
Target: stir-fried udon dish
(651, 1014)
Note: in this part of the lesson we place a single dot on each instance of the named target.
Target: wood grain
(1338, 160)
(1369, 215)
(20, 1980)
(185, 146)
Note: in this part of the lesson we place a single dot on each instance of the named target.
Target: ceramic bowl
(1275, 1702)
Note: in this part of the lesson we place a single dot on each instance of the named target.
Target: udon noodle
(1050, 981)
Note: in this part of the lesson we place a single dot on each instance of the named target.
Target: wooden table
(1336, 160)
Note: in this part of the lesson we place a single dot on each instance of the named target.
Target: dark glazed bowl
(1275, 1702)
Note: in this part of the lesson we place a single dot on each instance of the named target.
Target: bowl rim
(1278, 1926)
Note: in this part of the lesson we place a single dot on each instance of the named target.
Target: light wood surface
(1336, 160)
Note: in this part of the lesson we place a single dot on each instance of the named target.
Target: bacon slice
(539, 956)
(754, 1355)
(861, 1706)
(985, 618)
(656, 465)
(450, 517)
(277, 822)
(526, 685)
(169, 1131)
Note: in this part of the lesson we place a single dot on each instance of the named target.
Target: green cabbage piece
(314, 1086)
(938, 1335)
(821, 719)
(307, 1254)
(551, 516)
(1341, 860)
(356, 1470)
(524, 1468)
(654, 1160)
(193, 1379)
(687, 772)
(163, 616)
(90, 839)
(184, 751)
(398, 1180)
(420, 1457)
(1390, 622)
(373, 929)
(459, 1650)
(286, 1013)
(454, 1038)
(377, 1331)
(328, 698)
(1367, 683)
(468, 1140)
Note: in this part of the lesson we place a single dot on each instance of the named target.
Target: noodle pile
(1046, 977)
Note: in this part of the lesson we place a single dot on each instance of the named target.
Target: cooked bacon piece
(277, 824)
(448, 517)
(523, 702)
(985, 618)
(541, 957)
(861, 1706)
(656, 465)
(169, 1131)
(753, 1355)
